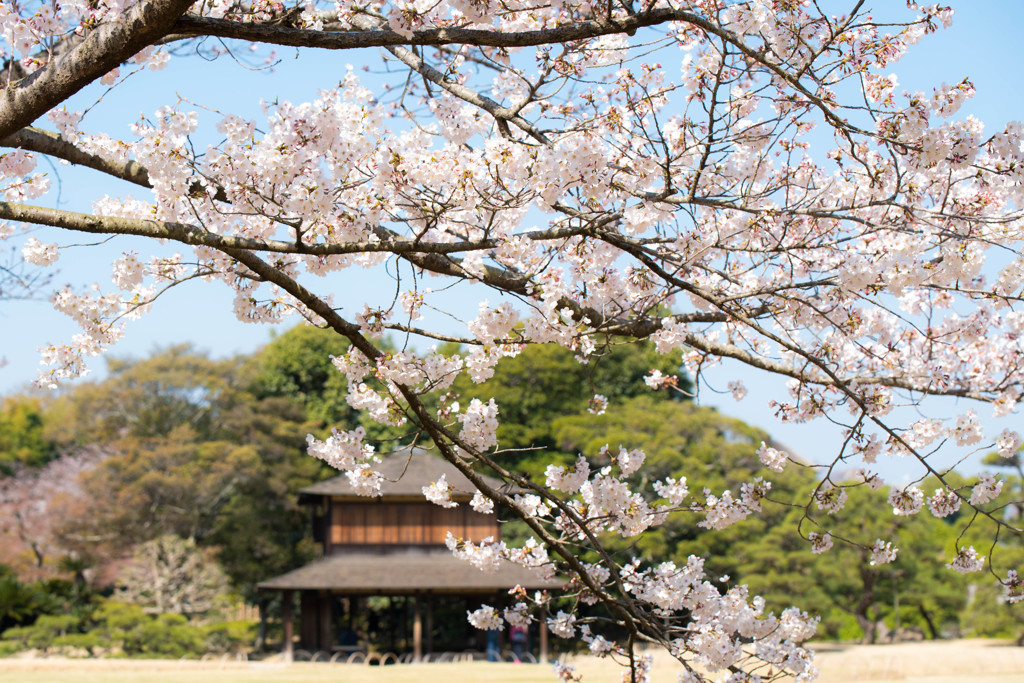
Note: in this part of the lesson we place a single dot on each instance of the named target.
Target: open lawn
(962, 661)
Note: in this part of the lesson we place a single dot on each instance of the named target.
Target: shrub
(230, 636)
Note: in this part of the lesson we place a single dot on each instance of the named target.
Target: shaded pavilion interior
(392, 546)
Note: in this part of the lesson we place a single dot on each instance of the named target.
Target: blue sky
(981, 44)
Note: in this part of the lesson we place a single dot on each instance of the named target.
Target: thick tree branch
(421, 253)
(104, 49)
(51, 144)
(194, 27)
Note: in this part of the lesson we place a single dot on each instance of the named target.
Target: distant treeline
(205, 457)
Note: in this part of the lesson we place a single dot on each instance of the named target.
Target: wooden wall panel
(479, 527)
(442, 521)
(360, 524)
(354, 521)
(338, 526)
(405, 523)
(410, 524)
(391, 530)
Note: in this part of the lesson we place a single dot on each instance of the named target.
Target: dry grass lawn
(964, 661)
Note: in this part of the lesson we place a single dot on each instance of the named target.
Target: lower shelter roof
(405, 572)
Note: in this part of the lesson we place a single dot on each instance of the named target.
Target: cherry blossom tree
(740, 180)
(33, 505)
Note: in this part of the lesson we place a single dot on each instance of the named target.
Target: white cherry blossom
(967, 561)
(985, 490)
(883, 552)
(440, 493)
(906, 502)
(944, 503)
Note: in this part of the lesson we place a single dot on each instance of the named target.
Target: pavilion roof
(405, 474)
(405, 572)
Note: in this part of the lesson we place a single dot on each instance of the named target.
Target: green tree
(148, 399)
(297, 365)
(181, 484)
(22, 604)
(223, 467)
(915, 590)
(22, 437)
(546, 382)
(241, 497)
(682, 439)
(19, 603)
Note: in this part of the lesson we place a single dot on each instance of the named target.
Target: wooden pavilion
(393, 545)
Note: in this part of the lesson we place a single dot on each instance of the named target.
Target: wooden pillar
(392, 623)
(287, 626)
(325, 636)
(430, 624)
(417, 630)
(309, 620)
(403, 624)
(362, 611)
(503, 642)
(543, 636)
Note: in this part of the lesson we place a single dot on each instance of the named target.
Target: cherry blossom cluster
(440, 493)
(987, 488)
(820, 543)
(944, 503)
(20, 182)
(906, 502)
(772, 458)
(720, 623)
(346, 451)
(1014, 587)
(599, 501)
(883, 552)
(967, 560)
(713, 634)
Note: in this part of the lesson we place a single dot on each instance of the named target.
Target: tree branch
(104, 49)
(191, 26)
(500, 113)
(51, 144)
